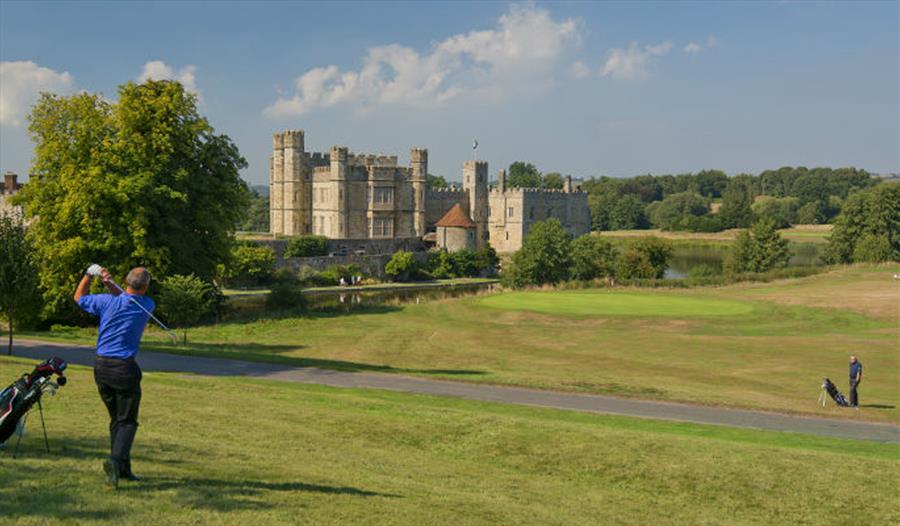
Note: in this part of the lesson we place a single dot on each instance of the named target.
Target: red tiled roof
(456, 218)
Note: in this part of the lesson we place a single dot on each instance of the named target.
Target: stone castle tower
(418, 164)
(290, 183)
(476, 186)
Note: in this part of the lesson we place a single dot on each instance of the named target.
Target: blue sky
(588, 89)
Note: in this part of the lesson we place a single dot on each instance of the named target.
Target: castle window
(507, 236)
(383, 227)
(511, 210)
(383, 195)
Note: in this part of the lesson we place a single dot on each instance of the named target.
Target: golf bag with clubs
(17, 399)
(832, 390)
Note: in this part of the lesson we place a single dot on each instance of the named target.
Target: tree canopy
(523, 175)
(868, 227)
(19, 294)
(545, 256)
(141, 181)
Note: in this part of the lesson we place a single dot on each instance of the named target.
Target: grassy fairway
(225, 451)
(589, 304)
(761, 346)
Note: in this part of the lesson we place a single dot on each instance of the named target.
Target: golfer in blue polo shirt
(117, 374)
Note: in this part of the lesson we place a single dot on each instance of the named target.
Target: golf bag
(835, 395)
(17, 399)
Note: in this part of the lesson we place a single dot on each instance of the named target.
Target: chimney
(10, 183)
(568, 185)
(501, 181)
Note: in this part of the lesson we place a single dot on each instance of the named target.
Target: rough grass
(229, 451)
(772, 356)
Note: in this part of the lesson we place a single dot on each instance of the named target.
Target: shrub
(872, 248)
(592, 257)
(440, 264)
(704, 223)
(306, 246)
(703, 271)
(759, 249)
(634, 264)
(285, 296)
(487, 258)
(250, 264)
(657, 250)
(402, 266)
(184, 300)
(465, 264)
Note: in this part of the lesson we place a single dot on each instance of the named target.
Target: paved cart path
(153, 361)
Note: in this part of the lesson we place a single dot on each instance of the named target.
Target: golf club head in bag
(20, 396)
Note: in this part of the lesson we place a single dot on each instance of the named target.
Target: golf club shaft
(154, 318)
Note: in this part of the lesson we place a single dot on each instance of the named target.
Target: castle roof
(456, 218)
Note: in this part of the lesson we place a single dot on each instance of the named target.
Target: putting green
(614, 303)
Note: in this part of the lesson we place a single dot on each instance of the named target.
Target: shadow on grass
(225, 489)
(271, 354)
(878, 406)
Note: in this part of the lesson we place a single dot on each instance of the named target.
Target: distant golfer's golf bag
(835, 395)
(17, 399)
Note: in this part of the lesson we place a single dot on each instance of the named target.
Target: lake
(687, 257)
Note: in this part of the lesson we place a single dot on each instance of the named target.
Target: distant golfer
(855, 379)
(116, 373)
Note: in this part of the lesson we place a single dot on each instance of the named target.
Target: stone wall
(370, 265)
(439, 201)
(370, 246)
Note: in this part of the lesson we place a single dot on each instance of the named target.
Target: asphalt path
(162, 362)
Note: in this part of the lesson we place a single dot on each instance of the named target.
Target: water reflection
(686, 258)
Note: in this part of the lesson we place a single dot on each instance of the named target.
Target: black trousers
(119, 383)
(854, 397)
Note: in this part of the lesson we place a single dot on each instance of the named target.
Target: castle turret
(418, 164)
(339, 173)
(501, 180)
(289, 211)
(568, 184)
(276, 185)
(475, 183)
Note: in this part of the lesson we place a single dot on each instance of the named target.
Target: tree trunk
(185, 336)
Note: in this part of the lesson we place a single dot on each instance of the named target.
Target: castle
(345, 196)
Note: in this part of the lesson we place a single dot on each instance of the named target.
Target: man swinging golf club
(123, 316)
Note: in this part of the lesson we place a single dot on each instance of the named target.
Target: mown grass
(232, 451)
(770, 351)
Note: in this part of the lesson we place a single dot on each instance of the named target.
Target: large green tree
(523, 175)
(545, 256)
(664, 214)
(19, 294)
(759, 249)
(592, 257)
(141, 181)
(868, 227)
(553, 181)
(736, 200)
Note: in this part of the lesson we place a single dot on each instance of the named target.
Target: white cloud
(631, 63)
(159, 70)
(693, 48)
(580, 70)
(524, 51)
(20, 84)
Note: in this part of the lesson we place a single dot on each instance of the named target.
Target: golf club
(96, 272)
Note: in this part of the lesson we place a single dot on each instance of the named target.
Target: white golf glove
(93, 270)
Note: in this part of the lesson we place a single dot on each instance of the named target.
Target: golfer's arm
(84, 286)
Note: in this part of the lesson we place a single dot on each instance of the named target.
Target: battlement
(288, 139)
(518, 190)
(368, 159)
(318, 159)
(450, 190)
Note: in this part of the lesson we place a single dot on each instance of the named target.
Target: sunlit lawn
(233, 451)
(761, 346)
